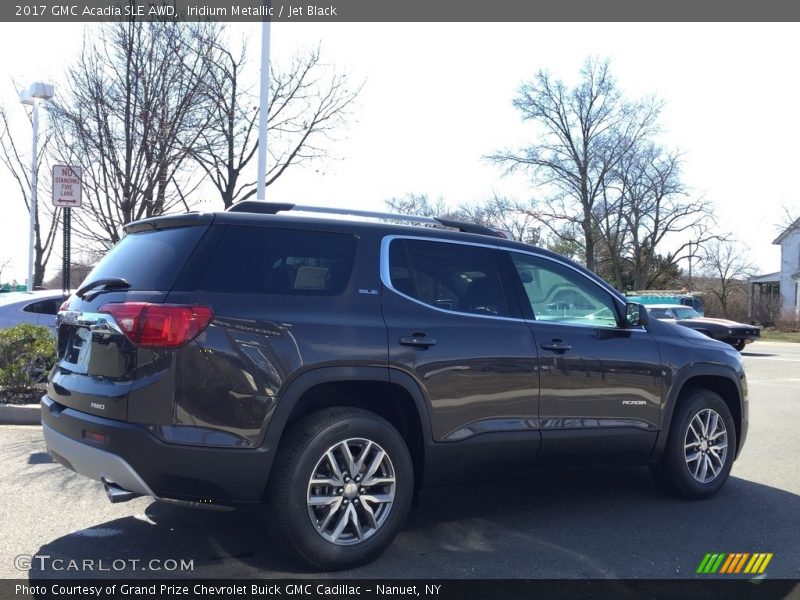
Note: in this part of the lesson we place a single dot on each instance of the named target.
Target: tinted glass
(686, 313)
(558, 293)
(268, 260)
(149, 260)
(453, 277)
(44, 307)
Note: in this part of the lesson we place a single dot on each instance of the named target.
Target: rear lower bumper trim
(95, 463)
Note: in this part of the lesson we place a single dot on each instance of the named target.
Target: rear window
(268, 260)
(149, 260)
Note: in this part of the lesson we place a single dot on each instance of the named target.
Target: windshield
(675, 312)
(686, 312)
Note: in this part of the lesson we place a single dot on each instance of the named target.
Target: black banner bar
(333, 11)
(362, 589)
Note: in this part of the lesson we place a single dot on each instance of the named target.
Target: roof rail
(272, 208)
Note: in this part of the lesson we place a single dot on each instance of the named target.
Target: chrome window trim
(386, 280)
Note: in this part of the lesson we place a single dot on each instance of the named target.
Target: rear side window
(455, 277)
(268, 260)
(149, 260)
(44, 307)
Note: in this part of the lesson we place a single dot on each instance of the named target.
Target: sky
(437, 99)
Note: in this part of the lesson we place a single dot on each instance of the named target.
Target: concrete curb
(20, 414)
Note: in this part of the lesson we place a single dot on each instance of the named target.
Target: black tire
(675, 470)
(739, 344)
(303, 453)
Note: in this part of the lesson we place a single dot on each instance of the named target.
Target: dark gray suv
(326, 369)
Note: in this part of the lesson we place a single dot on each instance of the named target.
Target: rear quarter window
(271, 260)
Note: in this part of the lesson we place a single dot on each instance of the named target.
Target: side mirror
(636, 315)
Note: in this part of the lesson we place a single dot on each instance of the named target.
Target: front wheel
(739, 344)
(700, 448)
(340, 489)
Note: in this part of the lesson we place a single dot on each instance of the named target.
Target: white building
(786, 281)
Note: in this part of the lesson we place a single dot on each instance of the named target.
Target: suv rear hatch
(99, 366)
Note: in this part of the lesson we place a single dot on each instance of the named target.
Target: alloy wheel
(351, 491)
(706, 445)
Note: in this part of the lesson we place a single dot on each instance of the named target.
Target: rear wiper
(109, 283)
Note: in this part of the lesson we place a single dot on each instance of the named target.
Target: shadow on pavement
(598, 523)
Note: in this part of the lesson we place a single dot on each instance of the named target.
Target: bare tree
(498, 212)
(767, 309)
(726, 265)
(18, 165)
(132, 114)
(3, 264)
(585, 133)
(419, 204)
(657, 207)
(309, 102)
(78, 270)
(506, 214)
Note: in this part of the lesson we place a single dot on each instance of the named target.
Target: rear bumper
(93, 462)
(137, 461)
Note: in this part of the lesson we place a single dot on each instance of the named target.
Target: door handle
(557, 346)
(417, 340)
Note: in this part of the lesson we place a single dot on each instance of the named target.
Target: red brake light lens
(64, 305)
(159, 325)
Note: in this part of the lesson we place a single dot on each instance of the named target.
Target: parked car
(327, 369)
(736, 334)
(693, 300)
(36, 308)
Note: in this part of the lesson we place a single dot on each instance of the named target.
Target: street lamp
(32, 95)
(261, 182)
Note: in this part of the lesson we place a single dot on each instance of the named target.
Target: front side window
(454, 277)
(558, 293)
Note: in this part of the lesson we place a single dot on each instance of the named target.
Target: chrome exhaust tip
(117, 494)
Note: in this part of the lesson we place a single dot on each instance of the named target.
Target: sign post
(67, 193)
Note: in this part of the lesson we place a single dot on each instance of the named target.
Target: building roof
(768, 278)
(787, 231)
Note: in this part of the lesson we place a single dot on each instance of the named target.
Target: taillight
(64, 305)
(159, 325)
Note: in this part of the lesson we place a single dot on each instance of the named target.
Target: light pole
(261, 184)
(32, 95)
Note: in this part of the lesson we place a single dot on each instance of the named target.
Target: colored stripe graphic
(711, 563)
(734, 563)
(765, 563)
(701, 568)
(741, 562)
(728, 564)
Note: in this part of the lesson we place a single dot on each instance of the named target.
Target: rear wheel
(340, 489)
(700, 448)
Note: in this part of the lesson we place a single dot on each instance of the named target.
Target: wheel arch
(391, 394)
(716, 378)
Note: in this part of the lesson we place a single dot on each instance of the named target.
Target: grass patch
(775, 335)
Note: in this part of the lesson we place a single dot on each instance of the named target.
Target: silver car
(36, 308)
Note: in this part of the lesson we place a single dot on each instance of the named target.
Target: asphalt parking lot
(612, 522)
